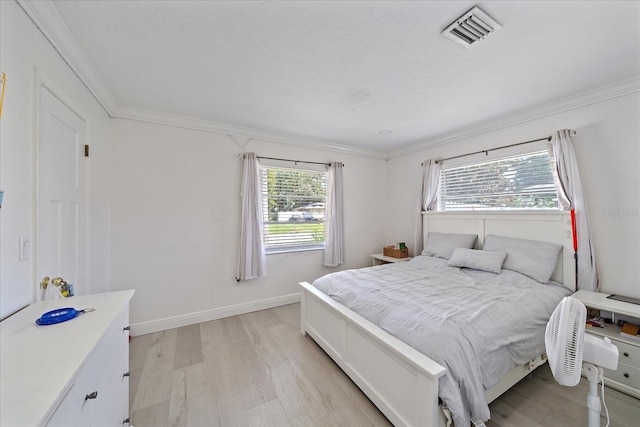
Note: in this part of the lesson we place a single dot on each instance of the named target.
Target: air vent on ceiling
(471, 27)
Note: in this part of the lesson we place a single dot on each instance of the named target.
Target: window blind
(294, 208)
(514, 183)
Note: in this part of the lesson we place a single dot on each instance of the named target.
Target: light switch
(24, 249)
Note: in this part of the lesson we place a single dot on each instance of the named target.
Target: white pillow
(477, 259)
(442, 244)
(532, 258)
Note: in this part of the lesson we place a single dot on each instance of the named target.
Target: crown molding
(242, 132)
(47, 19)
(604, 93)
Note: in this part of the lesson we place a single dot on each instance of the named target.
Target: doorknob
(57, 281)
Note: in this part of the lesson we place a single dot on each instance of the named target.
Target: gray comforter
(476, 324)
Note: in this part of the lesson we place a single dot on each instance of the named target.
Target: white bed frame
(399, 380)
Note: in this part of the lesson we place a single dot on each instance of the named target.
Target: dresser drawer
(625, 374)
(114, 408)
(79, 406)
(629, 354)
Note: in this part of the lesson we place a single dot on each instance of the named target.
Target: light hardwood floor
(258, 370)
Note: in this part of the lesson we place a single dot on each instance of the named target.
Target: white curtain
(570, 196)
(428, 199)
(252, 261)
(334, 241)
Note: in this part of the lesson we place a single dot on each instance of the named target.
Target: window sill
(293, 249)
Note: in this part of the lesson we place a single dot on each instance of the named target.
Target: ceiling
(346, 72)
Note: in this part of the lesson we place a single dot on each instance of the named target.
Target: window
(514, 183)
(293, 208)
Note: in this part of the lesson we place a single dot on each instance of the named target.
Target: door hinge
(86, 150)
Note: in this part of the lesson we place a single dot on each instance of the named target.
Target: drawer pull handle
(126, 328)
(91, 396)
(625, 354)
(626, 375)
(126, 374)
(126, 421)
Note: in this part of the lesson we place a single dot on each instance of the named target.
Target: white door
(61, 184)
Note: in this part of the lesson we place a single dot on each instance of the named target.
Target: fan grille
(564, 339)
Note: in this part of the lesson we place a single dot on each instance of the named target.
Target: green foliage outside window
(291, 189)
(522, 182)
(294, 207)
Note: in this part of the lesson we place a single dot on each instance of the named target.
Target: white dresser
(68, 374)
(627, 377)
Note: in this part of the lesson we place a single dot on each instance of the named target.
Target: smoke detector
(471, 27)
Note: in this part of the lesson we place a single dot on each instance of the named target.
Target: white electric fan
(570, 351)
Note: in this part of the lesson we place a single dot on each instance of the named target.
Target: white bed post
(430, 409)
(303, 313)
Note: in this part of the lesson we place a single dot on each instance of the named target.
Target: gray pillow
(442, 244)
(477, 259)
(532, 258)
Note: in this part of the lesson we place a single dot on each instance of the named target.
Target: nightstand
(382, 259)
(627, 377)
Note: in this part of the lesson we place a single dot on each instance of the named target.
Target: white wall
(176, 218)
(608, 150)
(24, 56)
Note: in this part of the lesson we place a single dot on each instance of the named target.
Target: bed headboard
(548, 226)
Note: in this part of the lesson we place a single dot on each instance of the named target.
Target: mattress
(478, 325)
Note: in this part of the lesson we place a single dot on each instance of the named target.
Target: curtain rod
(294, 161)
(548, 138)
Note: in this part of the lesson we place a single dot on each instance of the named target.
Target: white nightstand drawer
(625, 374)
(629, 354)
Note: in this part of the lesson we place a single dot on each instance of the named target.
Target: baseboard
(144, 328)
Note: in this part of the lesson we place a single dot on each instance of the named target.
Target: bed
(401, 381)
